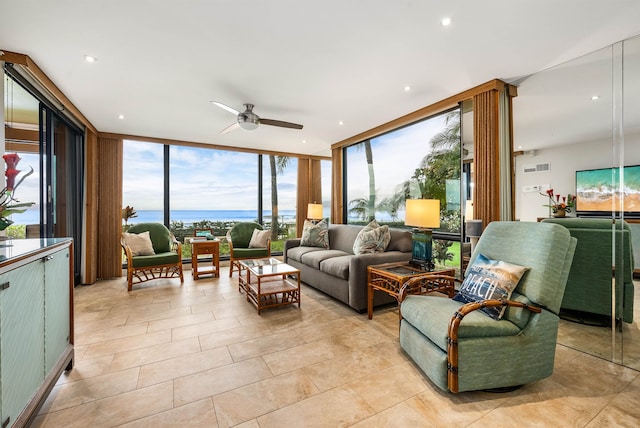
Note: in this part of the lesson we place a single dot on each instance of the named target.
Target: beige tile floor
(200, 355)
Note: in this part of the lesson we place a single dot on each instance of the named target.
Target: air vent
(541, 167)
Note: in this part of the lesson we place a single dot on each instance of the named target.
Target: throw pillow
(490, 279)
(140, 243)
(315, 235)
(372, 238)
(259, 238)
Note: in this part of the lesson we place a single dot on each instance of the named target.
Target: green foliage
(16, 231)
(441, 251)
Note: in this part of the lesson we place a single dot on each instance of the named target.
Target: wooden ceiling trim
(39, 76)
(427, 111)
(207, 146)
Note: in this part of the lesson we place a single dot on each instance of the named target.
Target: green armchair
(165, 263)
(462, 349)
(589, 285)
(239, 238)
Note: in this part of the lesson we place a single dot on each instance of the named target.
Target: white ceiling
(161, 62)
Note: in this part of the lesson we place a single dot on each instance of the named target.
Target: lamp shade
(423, 213)
(314, 211)
(468, 210)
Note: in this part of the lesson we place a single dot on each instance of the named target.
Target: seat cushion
(431, 316)
(296, 253)
(337, 266)
(250, 253)
(314, 258)
(156, 260)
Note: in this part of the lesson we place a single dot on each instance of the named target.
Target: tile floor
(199, 355)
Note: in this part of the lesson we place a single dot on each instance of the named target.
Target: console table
(36, 323)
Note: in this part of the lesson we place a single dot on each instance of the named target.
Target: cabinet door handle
(5, 424)
(46, 259)
(4, 285)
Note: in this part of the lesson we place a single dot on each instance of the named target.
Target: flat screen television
(597, 191)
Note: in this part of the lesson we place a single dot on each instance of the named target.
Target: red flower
(12, 160)
(11, 178)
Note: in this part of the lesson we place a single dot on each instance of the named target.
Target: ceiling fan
(249, 121)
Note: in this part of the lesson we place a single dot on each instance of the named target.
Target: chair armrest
(454, 324)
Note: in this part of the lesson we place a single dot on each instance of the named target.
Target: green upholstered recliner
(589, 285)
(165, 263)
(461, 349)
(239, 237)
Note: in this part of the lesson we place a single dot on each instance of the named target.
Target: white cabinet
(36, 314)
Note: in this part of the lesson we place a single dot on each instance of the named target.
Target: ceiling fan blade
(225, 107)
(280, 123)
(230, 128)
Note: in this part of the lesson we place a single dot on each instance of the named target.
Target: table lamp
(314, 212)
(424, 214)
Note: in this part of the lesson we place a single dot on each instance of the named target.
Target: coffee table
(390, 277)
(266, 283)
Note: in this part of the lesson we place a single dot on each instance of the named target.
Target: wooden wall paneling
(336, 185)
(302, 199)
(89, 268)
(109, 207)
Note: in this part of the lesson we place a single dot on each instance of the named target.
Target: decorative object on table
(560, 205)
(314, 212)
(425, 215)
(8, 203)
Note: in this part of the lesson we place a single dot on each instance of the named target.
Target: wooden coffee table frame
(390, 277)
(266, 284)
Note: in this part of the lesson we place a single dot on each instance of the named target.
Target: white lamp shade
(314, 211)
(468, 210)
(423, 213)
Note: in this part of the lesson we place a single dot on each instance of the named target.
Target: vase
(560, 213)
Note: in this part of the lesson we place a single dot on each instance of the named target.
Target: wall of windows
(422, 160)
(211, 188)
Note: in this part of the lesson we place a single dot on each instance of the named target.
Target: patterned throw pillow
(259, 238)
(373, 238)
(315, 235)
(490, 279)
(140, 243)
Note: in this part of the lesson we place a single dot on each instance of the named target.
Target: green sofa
(588, 288)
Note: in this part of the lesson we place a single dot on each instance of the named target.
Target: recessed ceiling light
(341, 123)
(407, 88)
(304, 141)
(121, 116)
(520, 147)
(595, 97)
(90, 58)
(445, 21)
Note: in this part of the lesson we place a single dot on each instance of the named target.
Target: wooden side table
(205, 247)
(390, 277)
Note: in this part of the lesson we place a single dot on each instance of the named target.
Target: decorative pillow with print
(490, 279)
(140, 243)
(259, 238)
(372, 238)
(315, 235)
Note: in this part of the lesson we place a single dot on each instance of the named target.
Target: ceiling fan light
(248, 123)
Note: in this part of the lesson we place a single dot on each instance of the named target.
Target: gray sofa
(340, 273)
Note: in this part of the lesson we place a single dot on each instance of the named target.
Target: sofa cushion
(314, 258)
(315, 235)
(337, 266)
(490, 279)
(296, 253)
(372, 238)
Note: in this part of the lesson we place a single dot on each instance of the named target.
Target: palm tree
(371, 206)
(277, 165)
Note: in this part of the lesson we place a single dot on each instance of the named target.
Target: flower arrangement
(559, 203)
(8, 202)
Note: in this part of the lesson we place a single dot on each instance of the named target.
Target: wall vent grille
(541, 167)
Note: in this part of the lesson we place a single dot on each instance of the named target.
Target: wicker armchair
(165, 263)
(239, 237)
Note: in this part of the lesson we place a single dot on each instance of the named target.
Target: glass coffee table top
(268, 266)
